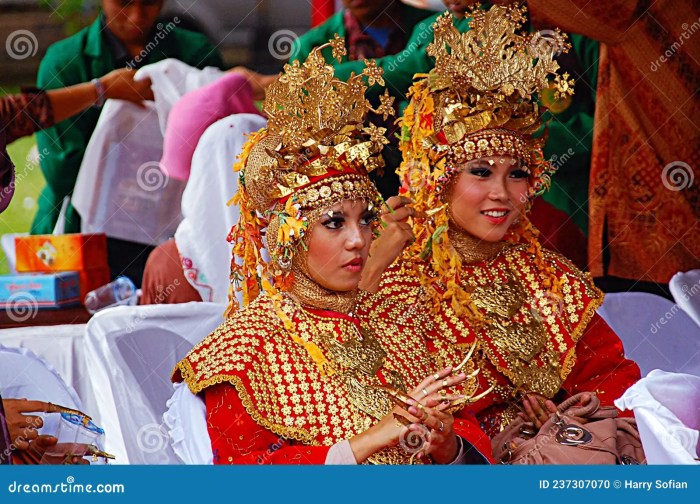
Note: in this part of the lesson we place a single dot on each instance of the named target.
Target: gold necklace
(470, 248)
(309, 293)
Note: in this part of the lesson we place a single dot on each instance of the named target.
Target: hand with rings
(395, 233)
(426, 406)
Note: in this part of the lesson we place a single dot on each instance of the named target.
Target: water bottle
(121, 291)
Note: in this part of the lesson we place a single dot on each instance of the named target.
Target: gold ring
(436, 376)
(425, 393)
(442, 392)
(444, 383)
(420, 406)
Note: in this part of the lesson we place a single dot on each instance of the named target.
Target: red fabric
(601, 365)
(321, 10)
(237, 439)
(643, 204)
(467, 427)
(558, 232)
(164, 281)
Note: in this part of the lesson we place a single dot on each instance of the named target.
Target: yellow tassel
(317, 355)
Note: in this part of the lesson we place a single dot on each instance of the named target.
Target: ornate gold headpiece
(479, 100)
(314, 153)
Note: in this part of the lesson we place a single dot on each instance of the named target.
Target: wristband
(99, 87)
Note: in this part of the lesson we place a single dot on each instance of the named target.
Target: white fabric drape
(121, 189)
(25, 375)
(656, 333)
(207, 220)
(667, 409)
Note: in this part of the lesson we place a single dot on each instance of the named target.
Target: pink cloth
(195, 112)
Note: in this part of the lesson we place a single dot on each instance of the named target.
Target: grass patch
(18, 217)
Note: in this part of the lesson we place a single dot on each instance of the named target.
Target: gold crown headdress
(315, 152)
(479, 100)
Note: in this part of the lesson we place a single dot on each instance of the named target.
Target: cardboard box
(32, 291)
(91, 279)
(71, 252)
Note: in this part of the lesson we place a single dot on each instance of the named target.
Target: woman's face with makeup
(488, 195)
(339, 245)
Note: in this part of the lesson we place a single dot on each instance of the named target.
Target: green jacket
(80, 58)
(400, 68)
(324, 32)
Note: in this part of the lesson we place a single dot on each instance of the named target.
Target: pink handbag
(604, 439)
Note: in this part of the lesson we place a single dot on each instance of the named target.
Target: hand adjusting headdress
(479, 100)
(314, 153)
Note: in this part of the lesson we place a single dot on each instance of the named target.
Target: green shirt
(570, 139)
(407, 18)
(80, 58)
(400, 68)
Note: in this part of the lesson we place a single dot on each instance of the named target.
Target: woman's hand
(60, 453)
(538, 409)
(258, 82)
(394, 234)
(401, 423)
(441, 440)
(23, 428)
(120, 85)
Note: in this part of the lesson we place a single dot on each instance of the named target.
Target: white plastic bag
(121, 189)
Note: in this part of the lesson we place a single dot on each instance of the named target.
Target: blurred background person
(124, 34)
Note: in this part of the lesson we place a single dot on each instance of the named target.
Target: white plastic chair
(685, 289)
(656, 333)
(667, 409)
(25, 375)
(131, 352)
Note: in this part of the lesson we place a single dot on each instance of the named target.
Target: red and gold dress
(279, 397)
(531, 341)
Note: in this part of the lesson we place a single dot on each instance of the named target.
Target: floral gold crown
(314, 152)
(481, 97)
